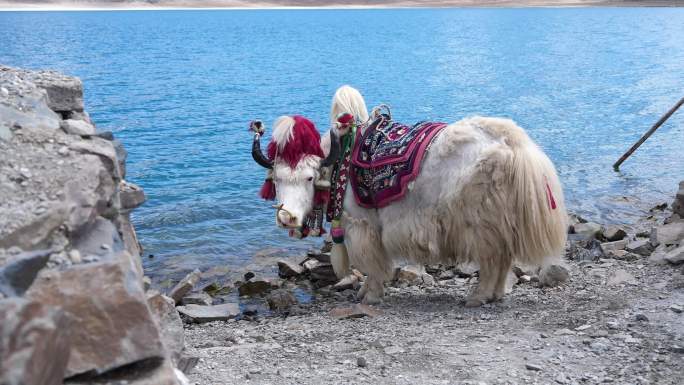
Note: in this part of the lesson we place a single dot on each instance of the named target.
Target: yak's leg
(368, 254)
(504, 268)
(489, 277)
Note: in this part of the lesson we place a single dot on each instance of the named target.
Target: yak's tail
(531, 208)
(538, 203)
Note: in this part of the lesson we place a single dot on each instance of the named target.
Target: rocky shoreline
(75, 306)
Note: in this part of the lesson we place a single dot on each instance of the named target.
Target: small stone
(675, 256)
(533, 367)
(200, 298)
(641, 317)
(588, 230)
(446, 274)
(287, 269)
(670, 234)
(63, 151)
(614, 233)
(361, 362)
(254, 287)
(147, 282)
(614, 246)
(200, 313)
(676, 308)
(642, 247)
(553, 275)
(583, 327)
(75, 256)
(249, 275)
(409, 274)
(428, 280)
(185, 286)
(281, 300)
(77, 127)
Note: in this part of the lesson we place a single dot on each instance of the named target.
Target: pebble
(676, 308)
(641, 317)
(533, 367)
(75, 256)
(63, 151)
(361, 362)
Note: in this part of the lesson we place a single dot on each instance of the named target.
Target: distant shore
(276, 4)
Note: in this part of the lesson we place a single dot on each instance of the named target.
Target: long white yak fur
(481, 196)
(346, 99)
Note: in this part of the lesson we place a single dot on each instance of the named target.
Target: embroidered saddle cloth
(386, 158)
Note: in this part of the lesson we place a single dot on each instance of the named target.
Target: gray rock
(410, 274)
(19, 271)
(641, 246)
(107, 309)
(255, 287)
(361, 362)
(287, 269)
(614, 246)
(614, 233)
(428, 280)
(281, 299)
(533, 367)
(77, 127)
(65, 93)
(199, 313)
(676, 308)
(588, 230)
(185, 286)
(34, 343)
(669, 234)
(553, 275)
(169, 323)
(675, 256)
(130, 195)
(201, 298)
(323, 274)
(678, 204)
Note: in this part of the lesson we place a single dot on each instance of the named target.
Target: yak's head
(295, 158)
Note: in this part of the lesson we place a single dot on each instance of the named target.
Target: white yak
(486, 193)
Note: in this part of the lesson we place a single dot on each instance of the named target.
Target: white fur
(295, 188)
(348, 99)
(283, 131)
(481, 197)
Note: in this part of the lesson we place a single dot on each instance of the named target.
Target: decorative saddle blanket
(386, 158)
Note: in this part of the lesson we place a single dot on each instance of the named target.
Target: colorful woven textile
(387, 158)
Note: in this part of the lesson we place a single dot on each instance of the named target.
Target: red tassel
(268, 190)
(321, 197)
(552, 201)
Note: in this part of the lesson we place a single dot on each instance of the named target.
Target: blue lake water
(178, 88)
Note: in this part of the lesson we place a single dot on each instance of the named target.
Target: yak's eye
(309, 178)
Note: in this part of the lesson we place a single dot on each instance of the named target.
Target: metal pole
(650, 132)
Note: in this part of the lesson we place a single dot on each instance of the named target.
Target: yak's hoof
(371, 299)
(475, 302)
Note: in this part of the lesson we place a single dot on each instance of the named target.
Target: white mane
(283, 131)
(348, 99)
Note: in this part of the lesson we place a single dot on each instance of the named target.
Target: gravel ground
(613, 322)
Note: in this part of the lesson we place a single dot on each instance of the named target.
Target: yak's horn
(256, 146)
(335, 149)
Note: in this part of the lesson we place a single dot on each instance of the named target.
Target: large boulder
(110, 322)
(34, 343)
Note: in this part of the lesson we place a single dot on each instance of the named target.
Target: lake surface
(179, 87)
